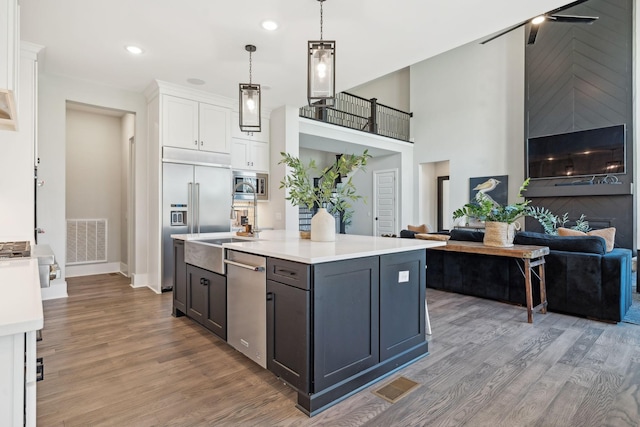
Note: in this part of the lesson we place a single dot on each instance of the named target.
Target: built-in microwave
(259, 181)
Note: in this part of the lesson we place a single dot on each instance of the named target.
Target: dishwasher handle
(246, 266)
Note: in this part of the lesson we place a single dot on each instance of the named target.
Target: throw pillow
(439, 237)
(422, 228)
(608, 234)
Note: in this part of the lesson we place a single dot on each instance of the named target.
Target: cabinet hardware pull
(282, 271)
(269, 296)
(39, 369)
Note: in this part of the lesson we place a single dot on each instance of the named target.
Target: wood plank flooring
(114, 356)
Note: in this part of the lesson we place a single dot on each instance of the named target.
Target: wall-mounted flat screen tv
(584, 153)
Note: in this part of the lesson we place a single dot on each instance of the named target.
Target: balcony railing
(362, 114)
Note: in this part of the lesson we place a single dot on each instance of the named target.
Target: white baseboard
(124, 269)
(92, 269)
(55, 291)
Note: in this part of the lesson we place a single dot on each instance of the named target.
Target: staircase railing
(366, 115)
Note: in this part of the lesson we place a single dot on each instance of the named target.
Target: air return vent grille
(86, 241)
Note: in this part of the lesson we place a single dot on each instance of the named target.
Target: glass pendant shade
(321, 73)
(250, 107)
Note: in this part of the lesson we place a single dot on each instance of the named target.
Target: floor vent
(396, 389)
(86, 241)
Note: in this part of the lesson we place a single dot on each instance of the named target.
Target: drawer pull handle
(285, 272)
(39, 369)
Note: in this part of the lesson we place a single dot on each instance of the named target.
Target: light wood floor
(114, 356)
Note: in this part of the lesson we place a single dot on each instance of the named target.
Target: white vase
(323, 226)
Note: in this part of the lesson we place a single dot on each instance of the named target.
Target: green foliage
(485, 209)
(551, 222)
(337, 198)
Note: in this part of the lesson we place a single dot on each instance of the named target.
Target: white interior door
(385, 195)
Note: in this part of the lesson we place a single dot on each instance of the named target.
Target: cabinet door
(346, 319)
(240, 153)
(197, 294)
(288, 336)
(402, 294)
(9, 59)
(214, 128)
(216, 320)
(207, 299)
(263, 135)
(179, 122)
(260, 156)
(179, 279)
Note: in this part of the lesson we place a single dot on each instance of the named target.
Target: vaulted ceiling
(205, 39)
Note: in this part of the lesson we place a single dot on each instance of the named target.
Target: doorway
(385, 202)
(99, 198)
(444, 217)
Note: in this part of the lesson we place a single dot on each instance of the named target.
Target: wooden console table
(533, 256)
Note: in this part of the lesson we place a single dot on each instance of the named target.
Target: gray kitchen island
(327, 318)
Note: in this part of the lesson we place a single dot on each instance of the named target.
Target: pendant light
(321, 70)
(250, 120)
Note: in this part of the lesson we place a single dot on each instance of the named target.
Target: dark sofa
(581, 277)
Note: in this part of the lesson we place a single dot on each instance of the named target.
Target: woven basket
(499, 234)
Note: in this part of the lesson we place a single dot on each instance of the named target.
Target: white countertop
(288, 245)
(21, 301)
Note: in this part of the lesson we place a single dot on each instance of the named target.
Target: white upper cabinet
(263, 135)
(250, 155)
(195, 125)
(9, 59)
(214, 128)
(250, 150)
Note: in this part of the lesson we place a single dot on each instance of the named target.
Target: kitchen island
(21, 316)
(337, 315)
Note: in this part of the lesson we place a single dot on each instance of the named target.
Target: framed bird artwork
(494, 187)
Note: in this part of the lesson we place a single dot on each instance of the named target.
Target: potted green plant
(500, 225)
(326, 195)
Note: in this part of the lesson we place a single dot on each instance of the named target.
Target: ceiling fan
(551, 17)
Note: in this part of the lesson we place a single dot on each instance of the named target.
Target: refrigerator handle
(198, 207)
(190, 207)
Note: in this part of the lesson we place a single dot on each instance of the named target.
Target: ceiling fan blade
(572, 19)
(533, 32)
(502, 33)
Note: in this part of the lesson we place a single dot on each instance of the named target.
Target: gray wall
(579, 77)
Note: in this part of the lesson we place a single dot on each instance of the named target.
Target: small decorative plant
(328, 194)
(551, 222)
(486, 209)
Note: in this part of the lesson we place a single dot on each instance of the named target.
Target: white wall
(17, 163)
(93, 172)
(128, 123)
(54, 92)
(468, 107)
(284, 137)
(392, 90)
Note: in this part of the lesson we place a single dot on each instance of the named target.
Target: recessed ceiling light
(134, 49)
(270, 25)
(195, 81)
(538, 20)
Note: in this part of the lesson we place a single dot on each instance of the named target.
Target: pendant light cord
(321, 1)
(249, 67)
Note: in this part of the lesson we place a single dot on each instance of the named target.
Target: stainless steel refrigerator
(196, 198)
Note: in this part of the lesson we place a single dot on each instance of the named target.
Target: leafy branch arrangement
(336, 198)
(485, 209)
(551, 222)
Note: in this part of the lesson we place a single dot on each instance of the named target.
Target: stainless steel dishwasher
(246, 305)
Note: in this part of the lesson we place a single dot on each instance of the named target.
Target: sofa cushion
(422, 228)
(587, 244)
(466, 235)
(608, 234)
